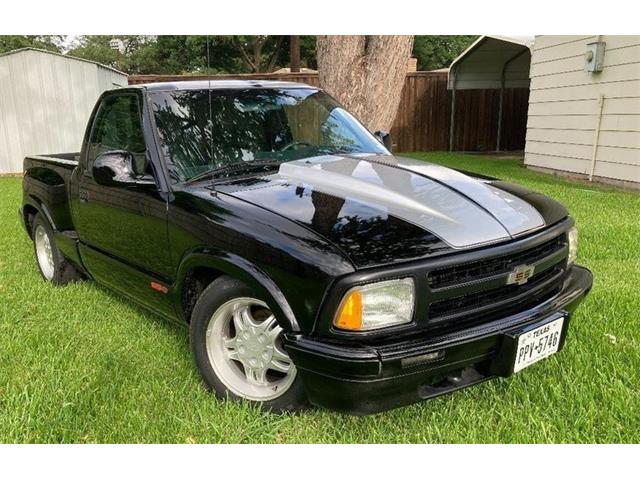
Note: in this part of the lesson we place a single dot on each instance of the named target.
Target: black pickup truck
(310, 264)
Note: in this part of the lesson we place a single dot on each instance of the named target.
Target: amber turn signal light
(350, 315)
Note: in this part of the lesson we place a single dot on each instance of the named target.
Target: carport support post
(502, 84)
(453, 111)
(500, 114)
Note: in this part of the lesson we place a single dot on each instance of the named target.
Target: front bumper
(363, 379)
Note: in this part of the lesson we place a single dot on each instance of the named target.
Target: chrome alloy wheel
(44, 252)
(246, 351)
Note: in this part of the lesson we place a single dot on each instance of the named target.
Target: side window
(118, 126)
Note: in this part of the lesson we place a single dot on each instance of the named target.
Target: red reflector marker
(158, 287)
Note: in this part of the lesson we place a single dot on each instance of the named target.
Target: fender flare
(243, 270)
(41, 208)
(46, 190)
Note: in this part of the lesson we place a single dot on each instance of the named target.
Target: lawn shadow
(172, 326)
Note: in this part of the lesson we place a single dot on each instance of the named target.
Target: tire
(237, 347)
(52, 265)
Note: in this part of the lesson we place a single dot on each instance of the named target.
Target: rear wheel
(53, 266)
(237, 344)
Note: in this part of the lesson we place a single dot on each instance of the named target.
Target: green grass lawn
(80, 364)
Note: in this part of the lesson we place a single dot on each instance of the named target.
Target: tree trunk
(366, 74)
(294, 42)
(258, 43)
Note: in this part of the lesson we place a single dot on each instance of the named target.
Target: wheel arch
(31, 207)
(210, 265)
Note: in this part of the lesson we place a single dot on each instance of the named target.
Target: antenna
(210, 106)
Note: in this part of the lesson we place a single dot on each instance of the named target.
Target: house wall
(45, 102)
(564, 107)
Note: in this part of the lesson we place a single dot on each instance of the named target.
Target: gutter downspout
(596, 133)
(596, 138)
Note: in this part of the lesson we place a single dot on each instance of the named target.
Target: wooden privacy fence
(424, 115)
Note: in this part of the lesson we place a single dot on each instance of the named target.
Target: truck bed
(46, 182)
(67, 159)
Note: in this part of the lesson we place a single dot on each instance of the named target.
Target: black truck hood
(383, 209)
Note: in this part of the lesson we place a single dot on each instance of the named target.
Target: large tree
(365, 73)
(259, 53)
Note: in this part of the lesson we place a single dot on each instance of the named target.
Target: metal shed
(491, 62)
(45, 101)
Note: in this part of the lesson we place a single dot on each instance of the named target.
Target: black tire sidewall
(216, 294)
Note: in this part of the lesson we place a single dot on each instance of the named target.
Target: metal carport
(491, 62)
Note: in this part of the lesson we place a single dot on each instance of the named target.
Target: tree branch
(236, 43)
(276, 53)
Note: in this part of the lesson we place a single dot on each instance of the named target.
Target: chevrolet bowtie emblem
(520, 274)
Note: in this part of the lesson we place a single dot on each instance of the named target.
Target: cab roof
(218, 84)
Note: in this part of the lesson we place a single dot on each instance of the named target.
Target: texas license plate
(537, 344)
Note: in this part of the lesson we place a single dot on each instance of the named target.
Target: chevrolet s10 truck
(310, 264)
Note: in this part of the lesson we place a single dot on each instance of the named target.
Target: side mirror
(116, 168)
(384, 138)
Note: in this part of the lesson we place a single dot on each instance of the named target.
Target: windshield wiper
(333, 150)
(232, 167)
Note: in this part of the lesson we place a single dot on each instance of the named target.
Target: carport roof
(492, 60)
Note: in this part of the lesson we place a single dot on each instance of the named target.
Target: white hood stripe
(516, 215)
(412, 197)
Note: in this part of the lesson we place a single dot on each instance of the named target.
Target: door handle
(84, 196)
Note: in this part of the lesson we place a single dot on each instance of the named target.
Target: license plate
(537, 344)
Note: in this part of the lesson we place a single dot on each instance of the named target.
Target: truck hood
(383, 209)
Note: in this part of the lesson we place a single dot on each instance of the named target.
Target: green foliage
(137, 51)
(438, 51)
(307, 52)
(81, 364)
(45, 42)
(257, 53)
(97, 48)
(308, 57)
(184, 54)
(187, 54)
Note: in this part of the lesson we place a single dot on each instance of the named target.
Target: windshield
(252, 125)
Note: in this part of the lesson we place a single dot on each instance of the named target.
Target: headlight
(377, 305)
(573, 245)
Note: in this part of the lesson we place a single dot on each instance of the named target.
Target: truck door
(122, 229)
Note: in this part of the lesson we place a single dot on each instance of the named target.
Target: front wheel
(237, 345)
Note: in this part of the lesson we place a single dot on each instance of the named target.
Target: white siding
(563, 107)
(45, 102)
